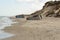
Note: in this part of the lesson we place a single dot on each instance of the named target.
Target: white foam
(1, 31)
(5, 22)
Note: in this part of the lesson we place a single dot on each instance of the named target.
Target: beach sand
(45, 29)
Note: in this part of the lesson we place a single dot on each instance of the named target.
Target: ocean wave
(5, 21)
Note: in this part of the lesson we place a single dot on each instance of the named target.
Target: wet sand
(45, 29)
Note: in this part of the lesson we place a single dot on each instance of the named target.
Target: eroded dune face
(50, 9)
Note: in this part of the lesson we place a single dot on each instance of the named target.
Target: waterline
(5, 22)
(4, 35)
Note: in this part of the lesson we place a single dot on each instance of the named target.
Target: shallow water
(4, 35)
(5, 22)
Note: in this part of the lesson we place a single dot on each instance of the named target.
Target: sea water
(5, 22)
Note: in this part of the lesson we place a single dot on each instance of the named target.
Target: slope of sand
(45, 29)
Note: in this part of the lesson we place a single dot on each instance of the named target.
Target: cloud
(32, 0)
(30, 6)
(25, 0)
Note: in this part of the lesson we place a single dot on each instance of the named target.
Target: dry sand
(45, 29)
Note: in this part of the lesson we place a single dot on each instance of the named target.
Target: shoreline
(8, 23)
(35, 30)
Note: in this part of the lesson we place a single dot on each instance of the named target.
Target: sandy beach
(46, 29)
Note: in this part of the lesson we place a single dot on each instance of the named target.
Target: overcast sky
(15, 7)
